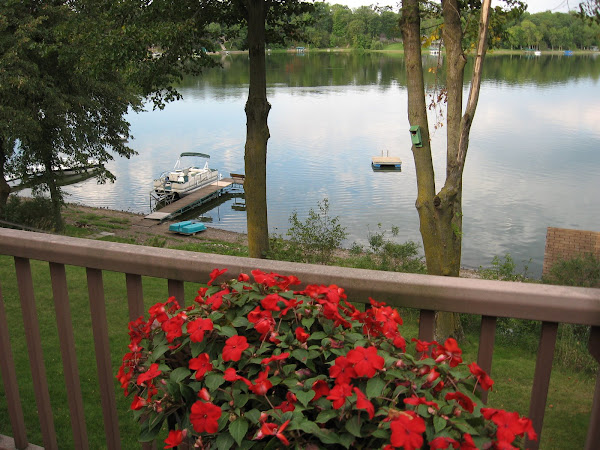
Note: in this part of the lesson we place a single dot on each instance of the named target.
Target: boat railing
(550, 305)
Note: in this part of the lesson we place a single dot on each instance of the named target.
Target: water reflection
(533, 157)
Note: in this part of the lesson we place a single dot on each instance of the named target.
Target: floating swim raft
(386, 162)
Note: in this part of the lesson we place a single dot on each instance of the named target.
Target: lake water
(533, 161)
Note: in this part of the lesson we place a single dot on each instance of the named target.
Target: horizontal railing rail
(491, 299)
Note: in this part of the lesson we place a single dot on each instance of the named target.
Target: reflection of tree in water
(387, 70)
(235, 197)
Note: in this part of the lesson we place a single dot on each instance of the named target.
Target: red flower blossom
(234, 347)
(509, 424)
(343, 370)
(197, 328)
(216, 300)
(150, 374)
(271, 429)
(232, 376)
(321, 389)
(203, 394)
(244, 277)
(204, 417)
(138, 403)
(158, 312)
(407, 431)
(289, 404)
(280, 357)
(338, 394)
(482, 377)
(174, 439)
(301, 335)
(270, 302)
(366, 361)
(467, 442)
(363, 403)
(416, 401)
(172, 327)
(290, 304)
(423, 346)
(443, 442)
(450, 352)
(261, 385)
(214, 274)
(201, 365)
(262, 320)
(465, 402)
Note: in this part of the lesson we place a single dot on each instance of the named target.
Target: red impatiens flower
(289, 404)
(271, 429)
(262, 320)
(204, 417)
(482, 377)
(197, 328)
(343, 370)
(301, 335)
(174, 439)
(366, 361)
(214, 274)
(234, 347)
(290, 304)
(416, 401)
(261, 385)
(150, 374)
(216, 300)
(201, 365)
(270, 302)
(509, 424)
(138, 403)
(465, 402)
(467, 443)
(243, 277)
(363, 403)
(407, 431)
(450, 352)
(232, 376)
(338, 394)
(204, 394)
(443, 442)
(280, 357)
(321, 389)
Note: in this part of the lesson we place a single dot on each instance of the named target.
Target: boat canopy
(201, 155)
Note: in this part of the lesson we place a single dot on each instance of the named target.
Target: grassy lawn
(566, 420)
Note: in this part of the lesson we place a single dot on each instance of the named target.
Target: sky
(534, 6)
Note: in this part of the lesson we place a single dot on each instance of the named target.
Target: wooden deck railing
(491, 299)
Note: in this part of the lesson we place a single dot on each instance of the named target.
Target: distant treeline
(331, 26)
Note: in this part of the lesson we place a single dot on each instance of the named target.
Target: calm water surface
(533, 162)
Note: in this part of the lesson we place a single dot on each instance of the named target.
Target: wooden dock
(191, 201)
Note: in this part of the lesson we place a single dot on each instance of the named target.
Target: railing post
(487, 337)
(541, 380)
(36, 356)
(593, 434)
(9, 376)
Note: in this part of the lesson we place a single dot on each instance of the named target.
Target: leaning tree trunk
(257, 134)
(4, 187)
(440, 214)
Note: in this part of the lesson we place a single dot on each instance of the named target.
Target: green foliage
(504, 270)
(35, 212)
(384, 254)
(582, 271)
(318, 236)
(156, 241)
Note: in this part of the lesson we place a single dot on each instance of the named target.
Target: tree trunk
(440, 214)
(4, 187)
(257, 134)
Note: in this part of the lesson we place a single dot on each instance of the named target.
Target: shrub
(504, 270)
(35, 212)
(257, 364)
(582, 271)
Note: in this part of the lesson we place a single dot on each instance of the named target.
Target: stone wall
(562, 243)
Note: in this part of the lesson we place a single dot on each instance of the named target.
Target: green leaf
(375, 387)
(224, 441)
(240, 321)
(158, 352)
(149, 434)
(289, 368)
(466, 428)
(197, 348)
(439, 423)
(347, 440)
(188, 393)
(229, 331)
(180, 374)
(327, 437)
(353, 426)
(308, 322)
(240, 400)
(318, 335)
(173, 389)
(238, 429)
(213, 381)
(300, 354)
(327, 415)
(304, 396)
(253, 415)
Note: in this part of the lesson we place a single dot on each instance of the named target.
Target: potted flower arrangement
(254, 363)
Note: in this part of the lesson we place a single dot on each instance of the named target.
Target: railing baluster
(176, 290)
(485, 353)
(541, 379)
(103, 363)
(36, 357)
(593, 434)
(135, 296)
(9, 377)
(427, 325)
(67, 349)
